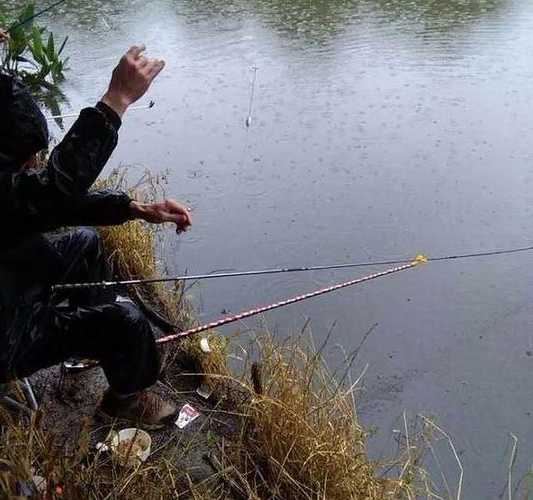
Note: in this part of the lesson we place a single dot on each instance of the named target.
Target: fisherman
(35, 332)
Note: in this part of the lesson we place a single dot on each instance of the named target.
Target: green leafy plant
(32, 53)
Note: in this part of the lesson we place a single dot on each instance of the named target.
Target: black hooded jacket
(32, 203)
(36, 201)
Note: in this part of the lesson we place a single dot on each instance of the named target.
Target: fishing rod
(33, 16)
(420, 259)
(150, 105)
(197, 277)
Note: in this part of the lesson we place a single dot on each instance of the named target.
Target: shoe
(78, 365)
(146, 410)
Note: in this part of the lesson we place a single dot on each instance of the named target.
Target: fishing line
(248, 121)
(253, 312)
(150, 105)
(106, 284)
(31, 18)
(252, 97)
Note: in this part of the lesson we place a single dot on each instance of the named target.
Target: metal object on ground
(204, 391)
(77, 365)
(31, 401)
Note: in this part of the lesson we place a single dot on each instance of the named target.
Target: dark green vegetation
(32, 52)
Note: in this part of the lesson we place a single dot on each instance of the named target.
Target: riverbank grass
(295, 432)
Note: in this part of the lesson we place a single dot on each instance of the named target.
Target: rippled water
(379, 129)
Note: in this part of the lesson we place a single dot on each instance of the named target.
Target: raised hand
(131, 79)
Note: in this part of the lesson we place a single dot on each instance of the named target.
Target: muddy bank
(68, 407)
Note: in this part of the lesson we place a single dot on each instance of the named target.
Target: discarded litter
(187, 415)
(130, 446)
(40, 484)
(204, 345)
(204, 391)
(123, 300)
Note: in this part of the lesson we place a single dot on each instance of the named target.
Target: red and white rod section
(253, 312)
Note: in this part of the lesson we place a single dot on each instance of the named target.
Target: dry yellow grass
(131, 247)
(131, 250)
(299, 436)
(302, 438)
(31, 461)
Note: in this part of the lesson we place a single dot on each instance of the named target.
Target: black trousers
(92, 326)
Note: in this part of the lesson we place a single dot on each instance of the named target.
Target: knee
(130, 319)
(131, 328)
(86, 241)
(88, 237)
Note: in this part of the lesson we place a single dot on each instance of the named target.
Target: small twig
(439, 465)
(511, 465)
(223, 473)
(356, 383)
(257, 378)
(454, 451)
(407, 442)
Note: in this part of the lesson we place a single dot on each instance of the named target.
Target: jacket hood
(23, 127)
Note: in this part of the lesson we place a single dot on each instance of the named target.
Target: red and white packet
(187, 415)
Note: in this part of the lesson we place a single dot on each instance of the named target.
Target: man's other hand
(166, 211)
(131, 79)
(4, 36)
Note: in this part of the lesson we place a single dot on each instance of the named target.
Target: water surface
(380, 129)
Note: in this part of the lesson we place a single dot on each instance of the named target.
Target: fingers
(136, 50)
(150, 67)
(179, 209)
(186, 215)
(182, 221)
(153, 66)
(147, 68)
(156, 68)
(142, 62)
(170, 211)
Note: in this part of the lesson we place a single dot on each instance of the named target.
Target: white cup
(134, 455)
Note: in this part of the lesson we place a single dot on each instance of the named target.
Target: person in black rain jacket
(34, 332)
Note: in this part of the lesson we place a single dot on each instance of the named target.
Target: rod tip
(420, 259)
